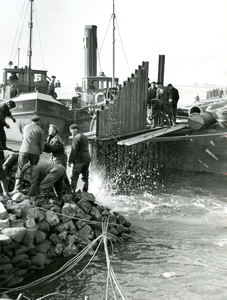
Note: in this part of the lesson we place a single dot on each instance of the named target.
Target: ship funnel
(90, 50)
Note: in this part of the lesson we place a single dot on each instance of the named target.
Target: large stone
(95, 213)
(4, 259)
(44, 226)
(30, 223)
(29, 236)
(40, 237)
(17, 223)
(4, 223)
(18, 197)
(85, 205)
(14, 208)
(12, 217)
(59, 249)
(73, 239)
(38, 260)
(15, 281)
(24, 264)
(70, 250)
(68, 211)
(63, 235)
(69, 225)
(54, 238)
(88, 196)
(16, 234)
(86, 233)
(51, 253)
(3, 212)
(20, 257)
(29, 212)
(52, 218)
(43, 247)
(21, 250)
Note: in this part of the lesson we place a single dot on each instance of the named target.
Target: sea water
(178, 250)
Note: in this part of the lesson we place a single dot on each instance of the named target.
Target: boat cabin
(93, 88)
(24, 80)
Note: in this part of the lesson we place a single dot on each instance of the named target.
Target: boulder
(15, 234)
(52, 218)
(3, 212)
(70, 250)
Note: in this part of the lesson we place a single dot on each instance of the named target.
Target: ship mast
(30, 26)
(114, 16)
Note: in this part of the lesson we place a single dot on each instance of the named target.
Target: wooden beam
(151, 135)
(189, 137)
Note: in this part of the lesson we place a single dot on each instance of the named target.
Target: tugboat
(29, 89)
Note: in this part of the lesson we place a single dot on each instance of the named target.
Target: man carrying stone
(43, 177)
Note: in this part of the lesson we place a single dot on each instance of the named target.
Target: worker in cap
(79, 157)
(31, 148)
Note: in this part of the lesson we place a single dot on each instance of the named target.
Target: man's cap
(53, 76)
(25, 167)
(35, 118)
(170, 84)
(158, 82)
(153, 82)
(12, 104)
(74, 126)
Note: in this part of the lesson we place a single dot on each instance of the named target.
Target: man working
(5, 112)
(80, 158)
(43, 177)
(31, 148)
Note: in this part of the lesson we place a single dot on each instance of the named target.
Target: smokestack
(90, 50)
(161, 68)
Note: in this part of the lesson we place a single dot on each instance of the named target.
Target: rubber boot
(85, 187)
(4, 187)
(73, 186)
(17, 186)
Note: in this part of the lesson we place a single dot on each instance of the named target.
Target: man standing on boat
(4, 113)
(164, 93)
(51, 88)
(80, 158)
(31, 148)
(150, 95)
(175, 97)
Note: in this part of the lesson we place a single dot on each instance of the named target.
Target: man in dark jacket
(151, 94)
(4, 113)
(80, 158)
(175, 97)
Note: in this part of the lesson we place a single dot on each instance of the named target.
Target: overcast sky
(191, 34)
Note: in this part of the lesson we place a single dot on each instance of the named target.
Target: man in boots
(80, 158)
(43, 178)
(30, 150)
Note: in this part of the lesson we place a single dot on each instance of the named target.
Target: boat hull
(48, 109)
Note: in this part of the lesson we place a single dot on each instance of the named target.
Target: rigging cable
(39, 39)
(122, 46)
(20, 32)
(99, 52)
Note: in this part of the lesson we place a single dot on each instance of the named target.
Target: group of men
(162, 104)
(44, 177)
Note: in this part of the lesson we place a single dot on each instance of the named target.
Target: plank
(151, 135)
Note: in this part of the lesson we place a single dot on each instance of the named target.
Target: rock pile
(32, 236)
